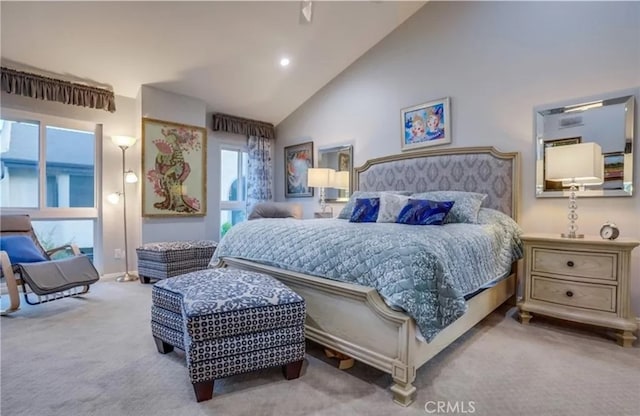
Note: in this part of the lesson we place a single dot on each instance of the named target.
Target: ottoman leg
(203, 390)
(292, 370)
(162, 346)
(145, 279)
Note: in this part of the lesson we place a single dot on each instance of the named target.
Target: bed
(354, 319)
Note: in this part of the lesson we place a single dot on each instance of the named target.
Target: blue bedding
(426, 270)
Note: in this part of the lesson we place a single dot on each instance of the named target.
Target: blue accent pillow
(466, 208)
(424, 212)
(365, 210)
(21, 249)
(347, 210)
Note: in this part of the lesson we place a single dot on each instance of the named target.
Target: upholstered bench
(167, 259)
(228, 322)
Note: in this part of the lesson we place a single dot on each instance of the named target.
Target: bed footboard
(355, 321)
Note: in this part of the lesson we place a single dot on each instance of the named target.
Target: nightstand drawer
(581, 295)
(575, 263)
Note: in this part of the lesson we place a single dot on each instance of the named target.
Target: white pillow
(390, 206)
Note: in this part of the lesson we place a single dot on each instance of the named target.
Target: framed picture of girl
(297, 161)
(427, 124)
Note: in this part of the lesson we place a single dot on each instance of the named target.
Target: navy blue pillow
(424, 212)
(21, 249)
(365, 210)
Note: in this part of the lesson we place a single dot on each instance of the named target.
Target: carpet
(95, 356)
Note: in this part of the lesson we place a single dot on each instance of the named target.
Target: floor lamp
(124, 142)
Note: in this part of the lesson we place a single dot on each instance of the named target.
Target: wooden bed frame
(354, 319)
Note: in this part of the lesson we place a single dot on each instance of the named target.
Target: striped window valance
(51, 89)
(244, 126)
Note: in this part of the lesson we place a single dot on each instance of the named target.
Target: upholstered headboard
(472, 169)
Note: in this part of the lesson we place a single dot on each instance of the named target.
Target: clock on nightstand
(584, 280)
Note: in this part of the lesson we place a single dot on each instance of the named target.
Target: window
(52, 234)
(48, 170)
(233, 187)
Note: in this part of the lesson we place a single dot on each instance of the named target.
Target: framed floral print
(427, 124)
(174, 169)
(297, 161)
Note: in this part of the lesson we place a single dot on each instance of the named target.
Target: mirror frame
(338, 149)
(629, 122)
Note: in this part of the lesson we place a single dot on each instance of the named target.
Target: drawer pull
(569, 293)
(570, 263)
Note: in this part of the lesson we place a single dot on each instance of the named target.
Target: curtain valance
(50, 89)
(244, 126)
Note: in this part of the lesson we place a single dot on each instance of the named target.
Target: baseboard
(112, 276)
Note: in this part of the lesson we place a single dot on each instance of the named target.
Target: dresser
(584, 280)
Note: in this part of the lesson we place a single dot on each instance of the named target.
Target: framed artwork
(174, 169)
(613, 166)
(343, 162)
(297, 161)
(427, 124)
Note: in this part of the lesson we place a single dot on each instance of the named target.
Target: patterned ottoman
(162, 260)
(228, 322)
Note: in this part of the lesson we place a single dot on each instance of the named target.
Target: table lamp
(320, 178)
(576, 164)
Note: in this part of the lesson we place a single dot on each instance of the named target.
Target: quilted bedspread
(425, 270)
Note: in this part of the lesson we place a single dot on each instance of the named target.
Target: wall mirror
(339, 158)
(608, 123)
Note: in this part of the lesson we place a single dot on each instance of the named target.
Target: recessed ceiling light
(284, 61)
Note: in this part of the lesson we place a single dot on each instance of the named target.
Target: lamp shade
(320, 177)
(123, 141)
(577, 163)
(113, 198)
(130, 177)
(341, 180)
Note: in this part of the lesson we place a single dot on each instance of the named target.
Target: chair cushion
(21, 249)
(58, 275)
(276, 210)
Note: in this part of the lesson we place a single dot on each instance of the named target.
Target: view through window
(233, 187)
(48, 171)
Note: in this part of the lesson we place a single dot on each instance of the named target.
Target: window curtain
(244, 126)
(50, 89)
(260, 171)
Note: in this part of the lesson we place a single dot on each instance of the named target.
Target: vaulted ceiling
(224, 53)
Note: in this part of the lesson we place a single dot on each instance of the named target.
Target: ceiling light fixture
(284, 61)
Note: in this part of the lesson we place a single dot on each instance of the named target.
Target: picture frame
(425, 125)
(613, 170)
(343, 162)
(297, 161)
(174, 173)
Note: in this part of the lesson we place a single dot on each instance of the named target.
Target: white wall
(497, 61)
(181, 109)
(163, 105)
(119, 123)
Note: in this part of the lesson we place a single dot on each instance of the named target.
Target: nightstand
(323, 215)
(583, 280)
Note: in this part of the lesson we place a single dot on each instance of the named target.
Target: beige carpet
(95, 356)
